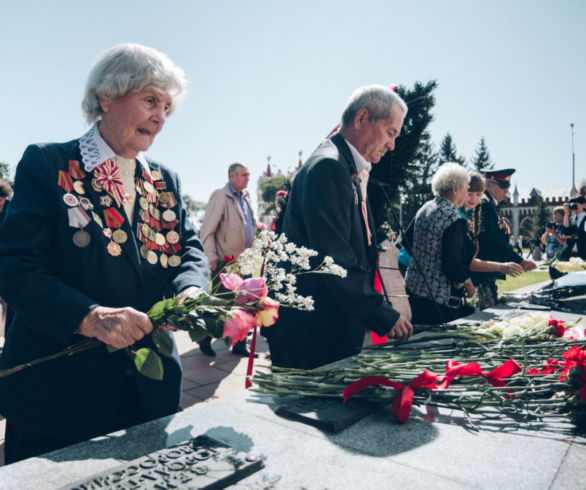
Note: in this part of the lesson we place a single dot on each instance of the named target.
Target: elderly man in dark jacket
(328, 211)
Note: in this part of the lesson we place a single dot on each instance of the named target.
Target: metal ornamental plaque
(198, 463)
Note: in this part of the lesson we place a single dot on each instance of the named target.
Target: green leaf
(149, 364)
(163, 342)
(158, 310)
(197, 335)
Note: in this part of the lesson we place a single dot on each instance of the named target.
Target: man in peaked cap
(493, 239)
(575, 228)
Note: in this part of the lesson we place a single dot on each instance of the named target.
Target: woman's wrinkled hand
(402, 329)
(118, 327)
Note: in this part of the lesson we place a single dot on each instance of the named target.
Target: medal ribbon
(78, 218)
(113, 217)
(75, 170)
(107, 174)
(64, 181)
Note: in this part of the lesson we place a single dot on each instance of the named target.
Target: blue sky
(272, 78)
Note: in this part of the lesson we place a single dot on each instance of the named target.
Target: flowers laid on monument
(528, 367)
(575, 264)
(231, 312)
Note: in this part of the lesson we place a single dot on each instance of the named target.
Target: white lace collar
(94, 150)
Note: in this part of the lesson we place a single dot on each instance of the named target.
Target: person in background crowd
(575, 228)
(493, 237)
(5, 194)
(443, 253)
(226, 231)
(553, 238)
(328, 212)
(95, 234)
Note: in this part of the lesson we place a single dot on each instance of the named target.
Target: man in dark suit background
(493, 239)
(328, 212)
(575, 228)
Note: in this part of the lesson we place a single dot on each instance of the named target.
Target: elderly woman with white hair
(443, 253)
(96, 234)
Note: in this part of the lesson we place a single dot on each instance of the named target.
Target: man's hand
(402, 329)
(470, 289)
(528, 265)
(118, 327)
(514, 269)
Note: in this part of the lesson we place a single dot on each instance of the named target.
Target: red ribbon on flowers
(248, 383)
(376, 339)
(107, 174)
(454, 370)
(401, 407)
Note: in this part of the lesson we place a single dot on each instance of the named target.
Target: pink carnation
(261, 226)
(237, 324)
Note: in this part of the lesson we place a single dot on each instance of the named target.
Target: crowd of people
(96, 233)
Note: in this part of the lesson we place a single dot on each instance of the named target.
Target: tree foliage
(481, 160)
(397, 169)
(448, 151)
(270, 186)
(5, 172)
(195, 210)
(541, 217)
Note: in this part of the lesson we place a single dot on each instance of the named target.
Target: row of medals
(150, 237)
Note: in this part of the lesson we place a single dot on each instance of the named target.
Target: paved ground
(207, 379)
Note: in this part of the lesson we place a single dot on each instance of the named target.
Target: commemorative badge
(81, 238)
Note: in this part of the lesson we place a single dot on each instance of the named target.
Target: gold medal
(169, 215)
(159, 239)
(148, 187)
(152, 257)
(143, 203)
(114, 249)
(106, 201)
(119, 236)
(172, 237)
(107, 232)
(78, 187)
(144, 251)
(146, 230)
(164, 197)
(174, 260)
(164, 260)
(95, 186)
(156, 175)
(155, 213)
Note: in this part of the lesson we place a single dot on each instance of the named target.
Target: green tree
(481, 160)
(195, 210)
(541, 217)
(270, 186)
(5, 172)
(397, 169)
(448, 151)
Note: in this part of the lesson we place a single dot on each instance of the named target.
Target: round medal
(144, 251)
(107, 232)
(81, 238)
(96, 186)
(114, 249)
(146, 230)
(78, 187)
(160, 239)
(174, 260)
(148, 187)
(164, 197)
(155, 213)
(143, 203)
(156, 175)
(173, 237)
(152, 257)
(70, 199)
(169, 215)
(164, 260)
(119, 236)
